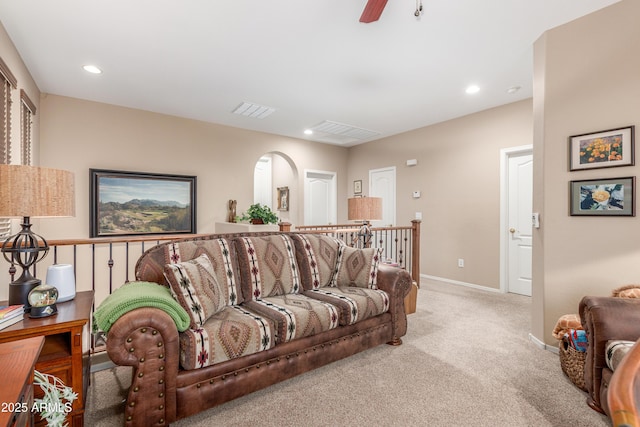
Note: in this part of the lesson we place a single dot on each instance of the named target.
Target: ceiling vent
(339, 133)
(249, 109)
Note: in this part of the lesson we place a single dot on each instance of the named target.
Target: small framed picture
(283, 198)
(603, 197)
(357, 187)
(602, 149)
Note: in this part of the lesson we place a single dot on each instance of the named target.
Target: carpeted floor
(466, 360)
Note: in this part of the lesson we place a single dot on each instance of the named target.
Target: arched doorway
(276, 185)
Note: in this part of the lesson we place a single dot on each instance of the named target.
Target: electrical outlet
(460, 262)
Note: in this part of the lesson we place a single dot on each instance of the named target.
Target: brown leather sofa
(162, 391)
(605, 319)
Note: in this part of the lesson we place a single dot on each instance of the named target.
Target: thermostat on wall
(416, 194)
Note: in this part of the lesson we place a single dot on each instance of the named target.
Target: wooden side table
(17, 361)
(66, 349)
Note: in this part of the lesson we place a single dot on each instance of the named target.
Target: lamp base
(19, 291)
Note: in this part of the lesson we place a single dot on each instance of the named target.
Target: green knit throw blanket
(136, 295)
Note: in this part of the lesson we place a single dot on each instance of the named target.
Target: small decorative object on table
(231, 215)
(43, 301)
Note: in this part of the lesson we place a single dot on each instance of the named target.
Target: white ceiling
(312, 61)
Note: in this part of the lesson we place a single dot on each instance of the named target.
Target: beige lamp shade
(31, 191)
(365, 208)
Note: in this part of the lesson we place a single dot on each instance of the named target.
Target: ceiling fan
(372, 11)
(374, 8)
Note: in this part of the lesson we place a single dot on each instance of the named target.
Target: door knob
(512, 230)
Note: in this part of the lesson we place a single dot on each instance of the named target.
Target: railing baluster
(126, 251)
(110, 264)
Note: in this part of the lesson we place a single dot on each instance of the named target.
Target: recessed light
(308, 132)
(472, 89)
(513, 89)
(92, 69)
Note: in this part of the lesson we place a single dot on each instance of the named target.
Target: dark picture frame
(603, 149)
(124, 203)
(603, 197)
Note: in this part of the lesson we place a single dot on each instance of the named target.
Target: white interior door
(262, 178)
(520, 233)
(382, 183)
(320, 198)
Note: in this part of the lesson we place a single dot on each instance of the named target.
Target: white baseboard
(457, 282)
(540, 344)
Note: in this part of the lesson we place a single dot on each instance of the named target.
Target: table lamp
(26, 192)
(365, 209)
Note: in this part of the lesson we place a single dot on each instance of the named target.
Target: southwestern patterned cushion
(220, 253)
(233, 332)
(195, 287)
(354, 303)
(267, 266)
(615, 352)
(317, 255)
(357, 267)
(295, 315)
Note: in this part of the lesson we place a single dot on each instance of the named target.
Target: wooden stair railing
(105, 263)
(400, 244)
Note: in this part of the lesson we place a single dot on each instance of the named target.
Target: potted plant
(259, 214)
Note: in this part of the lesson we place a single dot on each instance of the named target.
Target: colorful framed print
(603, 197)
(605, 149)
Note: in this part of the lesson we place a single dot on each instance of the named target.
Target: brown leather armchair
(605, 319)
(623, 397)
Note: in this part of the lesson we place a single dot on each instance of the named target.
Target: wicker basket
(572, 363)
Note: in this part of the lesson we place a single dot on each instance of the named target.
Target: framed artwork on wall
(602, 149)
(283, 198)
(603, 197)
(357, 187)
(136, 203)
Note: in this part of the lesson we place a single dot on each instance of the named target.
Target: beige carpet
(466, 360)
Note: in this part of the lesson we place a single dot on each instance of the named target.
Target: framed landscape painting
(604, 149)
(603, 197)
(135, 203)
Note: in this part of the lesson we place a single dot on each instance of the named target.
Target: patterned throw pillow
(268, 266)
(194, 285)
(357, 267)
(317, 256)
(222, 256)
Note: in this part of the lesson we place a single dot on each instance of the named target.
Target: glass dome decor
(43, 299)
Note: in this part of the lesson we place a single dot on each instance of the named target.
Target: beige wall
(586, 80)
(78, 135)
(458, 174)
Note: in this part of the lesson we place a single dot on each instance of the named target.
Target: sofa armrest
(605, 319)
(397, 283)
(147, 339)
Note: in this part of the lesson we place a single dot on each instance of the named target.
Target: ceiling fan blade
(372, 10)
